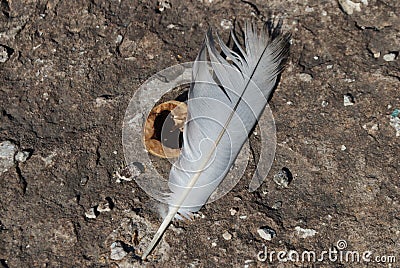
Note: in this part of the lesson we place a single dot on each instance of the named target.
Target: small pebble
(395, 122)
(195, 263)
(277, 205)
(3, 54)
(7, 151)
(324, 103)
(237, 199)
(243, 217)
(199, 215)
(249, 263)
(213, 244)
(22, 156)
(233, 211)
(283, 177)
(84, 180)
(117, 251)
(377, 54)
(343, 148)
(91, 214)
(226, 24)
(305, 77)
(104, 207)
(49, 160)
(304, 233)
(371, 128)
(119, 38)
(128, 173)
(348, 100)
(226, 235)
(389, 57)
(266, 233)
(46, 96)
(136, 169)
(163, 4)
(349, 6)
(309, 9)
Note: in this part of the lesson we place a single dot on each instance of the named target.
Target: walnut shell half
(168, 117)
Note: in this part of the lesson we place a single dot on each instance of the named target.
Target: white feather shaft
(248, 66)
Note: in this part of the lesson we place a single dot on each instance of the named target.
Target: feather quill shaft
(262, 61)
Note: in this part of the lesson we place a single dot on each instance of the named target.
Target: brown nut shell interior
(178, 112)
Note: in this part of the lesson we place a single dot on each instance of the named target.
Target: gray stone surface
(71, 68)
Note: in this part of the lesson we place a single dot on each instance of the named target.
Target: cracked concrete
(68, 70)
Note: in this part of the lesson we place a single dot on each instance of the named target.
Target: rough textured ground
(68, 70)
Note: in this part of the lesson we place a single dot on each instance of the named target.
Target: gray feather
(225, 101)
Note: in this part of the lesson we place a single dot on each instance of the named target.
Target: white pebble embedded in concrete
(90, 214)
(305, 77)
(395, 122)
(348, 100)
(226, 235)
(117, 251)
(22, 156)
(3, 54)
(389, 57)
(226, 24)
(266, 233)
(233, 211)
(349, 6)
(304, 233)
(7, 152)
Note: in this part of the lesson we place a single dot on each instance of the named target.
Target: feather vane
(225, 100)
